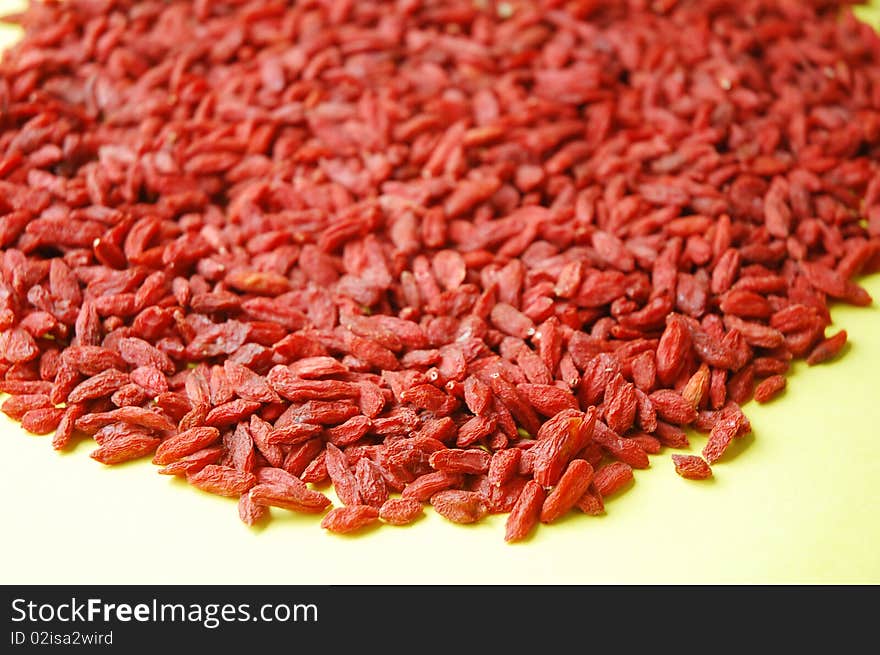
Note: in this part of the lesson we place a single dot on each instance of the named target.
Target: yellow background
(797, 502)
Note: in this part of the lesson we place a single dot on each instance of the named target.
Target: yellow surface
(797, 502)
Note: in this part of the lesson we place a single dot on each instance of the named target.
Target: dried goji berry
(691, 467)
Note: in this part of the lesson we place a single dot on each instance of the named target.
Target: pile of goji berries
(487, 255)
